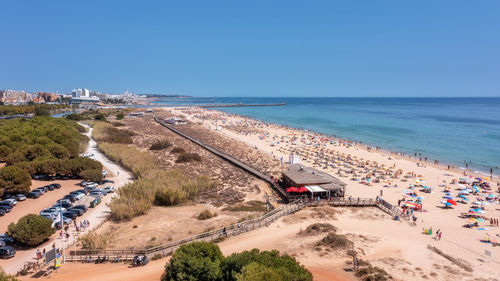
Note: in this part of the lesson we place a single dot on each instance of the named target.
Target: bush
(250, 206)
(119, 116)
(160, 144)
(258, 272)
(14, 180)
(195, 261)
(205, 215)
(188, 157)
(31, 230)
(100, 117)
(319, 228)
(91, 175)
(75, 117)
(94, 241)
(117, 124)
(333, 240)
(286, 267)
(178, 150)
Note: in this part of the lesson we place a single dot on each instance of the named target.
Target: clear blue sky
(253, 48)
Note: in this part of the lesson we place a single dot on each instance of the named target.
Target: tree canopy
(204, 261)
(31, 230)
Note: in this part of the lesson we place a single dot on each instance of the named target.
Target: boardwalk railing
(391, 210)
(211, 236)
(281, 193)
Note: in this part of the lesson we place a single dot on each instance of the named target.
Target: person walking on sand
(439, 236)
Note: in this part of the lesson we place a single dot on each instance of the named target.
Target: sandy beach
(396, 175)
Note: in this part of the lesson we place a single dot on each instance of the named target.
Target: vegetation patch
(160, 144)
(105, 132)
(204, 261)
(367, 272)
(318, 228)
(249, 206)
(42, 145)
(94, 241)
(117, 124)
(188, 157)
(206, 214)
(335, 241)
(178, 150)
(31, 230)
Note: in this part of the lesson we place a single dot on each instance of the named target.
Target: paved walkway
(96, 216)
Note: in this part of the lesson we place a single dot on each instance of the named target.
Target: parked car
(41, 190)
(95, 202)
(91, 185)
(78, 212)
(82, 207)
(49, 214)
(2, 212)
(107, 181)
(5, 208)
(58, 225)
(109, 189)
(33, 194)
(78, 195)
(104, 173)
(2, 243)
(96, 194)
(50, 187)
(62, 201)
(7, 252)
(63, 204)
(6, 238)
(70, 197)
(71, 215)
(7, 203)
(20, 197)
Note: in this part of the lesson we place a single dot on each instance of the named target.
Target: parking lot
(34, 206)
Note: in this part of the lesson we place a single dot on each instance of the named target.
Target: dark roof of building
(302, 175)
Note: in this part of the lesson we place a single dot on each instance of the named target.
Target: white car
(13, 201)
(104, 173)
(91, 185)
(109, 189)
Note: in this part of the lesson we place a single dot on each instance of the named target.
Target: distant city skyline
(259, 48)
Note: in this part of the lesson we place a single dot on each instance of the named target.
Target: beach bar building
(316, 182)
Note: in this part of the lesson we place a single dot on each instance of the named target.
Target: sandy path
(96, 216)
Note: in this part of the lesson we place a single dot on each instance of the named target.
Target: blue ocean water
(453, 130)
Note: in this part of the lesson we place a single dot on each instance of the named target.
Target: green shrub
(284, 265)
(94, 241)
(119, 116)
(319, 228)
(14, 180)
(91, 175)
(333, 240)
(160, 144)
(178, 150)
(31, 230)
(205, 215)
(195, 261)
(188, 157)
(258, 272)
(249, 206)
(99, 117)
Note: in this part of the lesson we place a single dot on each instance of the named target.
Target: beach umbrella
(447, 197)
(448, 204)
(451, 202)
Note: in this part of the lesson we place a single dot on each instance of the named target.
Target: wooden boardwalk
(229, 231)
(281, 193)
